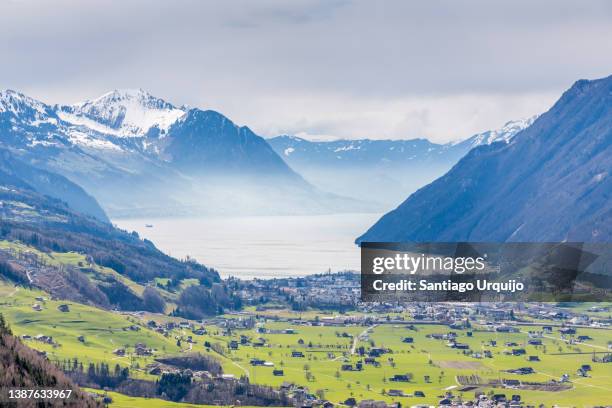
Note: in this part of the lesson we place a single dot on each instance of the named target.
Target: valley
(386, 356)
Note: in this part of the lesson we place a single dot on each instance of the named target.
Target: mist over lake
(260, 246)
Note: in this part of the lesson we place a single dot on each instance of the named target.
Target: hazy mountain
(140, 155)
(380, 170)
(44, 182)
(550, 183)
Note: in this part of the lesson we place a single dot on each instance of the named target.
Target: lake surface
(260, 246)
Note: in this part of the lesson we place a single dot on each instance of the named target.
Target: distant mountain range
(380, 170)
(550, 183)
(138, 154)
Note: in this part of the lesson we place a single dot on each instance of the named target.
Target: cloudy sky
(380, 69)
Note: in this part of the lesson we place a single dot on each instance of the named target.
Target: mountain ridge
(551, 183)
(381, 170)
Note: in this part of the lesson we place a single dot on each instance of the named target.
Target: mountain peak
(28, 109)
(504, 134)
(128, 94)
(124, 112)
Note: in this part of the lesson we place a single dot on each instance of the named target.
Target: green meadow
(432, 365)
(103, 331)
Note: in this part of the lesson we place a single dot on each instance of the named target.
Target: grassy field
(425, 357)
(104, 331)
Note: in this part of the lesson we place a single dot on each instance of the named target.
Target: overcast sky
(380, 69)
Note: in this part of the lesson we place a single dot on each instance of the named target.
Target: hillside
(50, 184)
(551, 183)
(22, 367)
(46, 244)
(381, 170)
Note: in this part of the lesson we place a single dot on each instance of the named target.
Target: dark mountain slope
(551, 183)
(206, 142)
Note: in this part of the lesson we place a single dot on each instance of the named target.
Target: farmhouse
(44, 339)
(142, 350)
(461, 346)
(376, 352)
(500, 397)
(567, 330)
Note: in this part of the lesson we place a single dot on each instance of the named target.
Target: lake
(260, 246)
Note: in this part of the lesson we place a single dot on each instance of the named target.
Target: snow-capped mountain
(25, 121)
(384, 170)
(123, 113)
(139, 154)
(18, 107)
(503, 134)
(298, 151)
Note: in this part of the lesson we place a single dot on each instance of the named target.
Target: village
(331, 349)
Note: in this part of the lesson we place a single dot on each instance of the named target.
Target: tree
(4, 327)
(153, 302)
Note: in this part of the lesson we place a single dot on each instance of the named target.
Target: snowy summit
(124, 113)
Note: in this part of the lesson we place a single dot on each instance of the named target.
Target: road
(357, 338)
